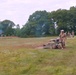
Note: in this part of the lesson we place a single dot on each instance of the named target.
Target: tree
(17, 30)
(38, 24)
(7, 27)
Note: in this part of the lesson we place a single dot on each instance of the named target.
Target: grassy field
(21, 56)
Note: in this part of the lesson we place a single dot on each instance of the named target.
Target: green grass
(20, 56)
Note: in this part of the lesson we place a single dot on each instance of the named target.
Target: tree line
(42, 23)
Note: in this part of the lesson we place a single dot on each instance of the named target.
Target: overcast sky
(19, 11)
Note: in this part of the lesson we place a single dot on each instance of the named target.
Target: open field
(21, 56)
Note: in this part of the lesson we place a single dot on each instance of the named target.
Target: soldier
(62, 38)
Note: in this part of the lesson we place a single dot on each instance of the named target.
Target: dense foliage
(6, 27)
(43, 23)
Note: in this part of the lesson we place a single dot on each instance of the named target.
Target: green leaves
(42, 23)
(7, 27)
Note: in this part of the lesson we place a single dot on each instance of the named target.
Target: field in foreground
(21, 56)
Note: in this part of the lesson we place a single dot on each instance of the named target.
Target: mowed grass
(21, 56)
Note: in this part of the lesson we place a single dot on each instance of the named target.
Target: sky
(19, 11)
